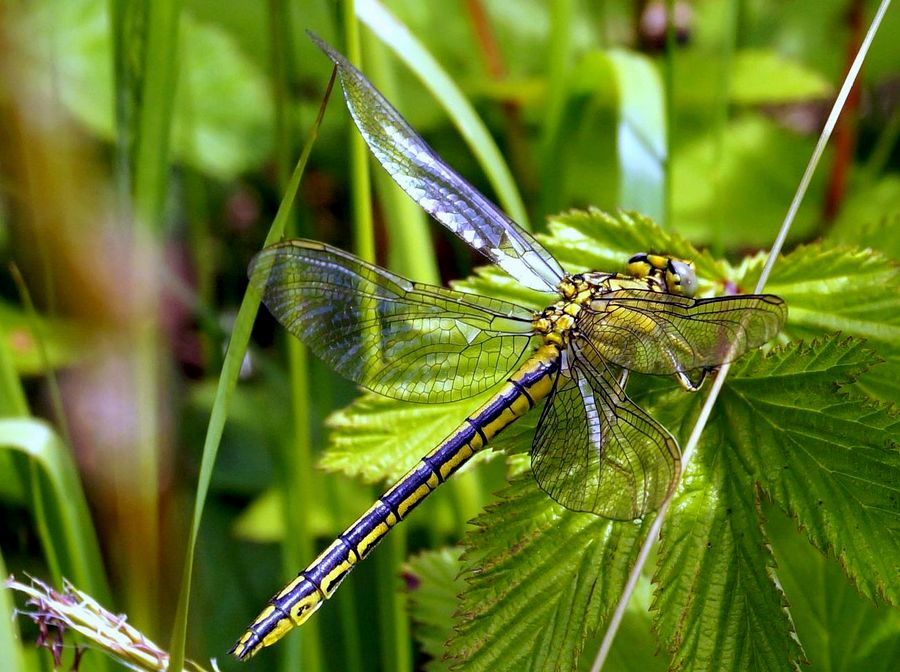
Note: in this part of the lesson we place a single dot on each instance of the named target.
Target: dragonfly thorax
(556, 323)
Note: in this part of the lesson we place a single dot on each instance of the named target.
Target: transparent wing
(653, 332)
(395, 337)
(595, 450)
(437, 188)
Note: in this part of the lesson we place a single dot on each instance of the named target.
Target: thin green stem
(669, 84)
(52, 382)
(720, 121)
(393, 621)
(558, 54)
(302, 651)
(363, 226)
(10, 639)
(13, 402)
(349, 619)
(151, 172)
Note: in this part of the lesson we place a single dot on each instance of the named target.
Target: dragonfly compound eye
(681, 278)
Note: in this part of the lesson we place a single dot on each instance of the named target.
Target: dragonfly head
(678, 275)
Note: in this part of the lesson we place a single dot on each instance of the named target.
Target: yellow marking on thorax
(556, 322)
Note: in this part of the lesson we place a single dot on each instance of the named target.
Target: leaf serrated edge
(801, 347)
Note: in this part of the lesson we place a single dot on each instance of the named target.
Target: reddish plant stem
(846, 131)
(518, 151)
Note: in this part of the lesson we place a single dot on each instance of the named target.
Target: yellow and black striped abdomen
(297, 601)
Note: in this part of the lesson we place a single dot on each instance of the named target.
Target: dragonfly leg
(687, 383)
(623, 378)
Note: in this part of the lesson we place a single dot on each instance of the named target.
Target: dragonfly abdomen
(297, 601)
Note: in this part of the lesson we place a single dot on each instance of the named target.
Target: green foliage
(542, 577)
(744, 178)
(718, 604)
(840, 629)
(829, 462)
(827, 457)
(66, 528)
(858, 299)
(60, 339)
(614, 121)
(435, 581)
(222, 106)
(763, 76)
(374, 437)
(470, 126)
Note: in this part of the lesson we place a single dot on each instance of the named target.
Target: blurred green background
(144, 150)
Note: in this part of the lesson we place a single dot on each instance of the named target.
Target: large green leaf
(826, 456)
(733, 190)
(609, 144)
(718, 604)
(840, 629)
(856, 292)
(541, 578)
(761, 76)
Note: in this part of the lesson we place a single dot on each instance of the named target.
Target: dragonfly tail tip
(246, 647)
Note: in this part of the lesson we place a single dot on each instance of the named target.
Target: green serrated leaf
(540, 579)
(855, 291)
(840, 629)
(718, 602)
(828, 457)
(592, 239)
(435, 581)
(840, 289)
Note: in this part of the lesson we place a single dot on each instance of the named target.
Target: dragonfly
(594, 450)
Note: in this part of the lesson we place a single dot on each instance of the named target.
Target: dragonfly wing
(595, 450)
(395, 337)
(437, 188)
(654, 332)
